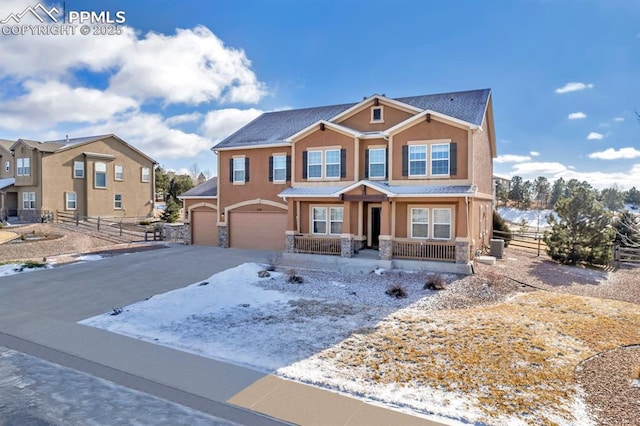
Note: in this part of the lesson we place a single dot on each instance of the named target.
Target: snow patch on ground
(17, 268)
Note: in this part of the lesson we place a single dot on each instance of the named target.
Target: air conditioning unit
(496, 248)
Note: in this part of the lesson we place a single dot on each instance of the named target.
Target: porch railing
(317, 245)
(423, 250)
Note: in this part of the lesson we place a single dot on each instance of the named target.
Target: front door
(374, 226)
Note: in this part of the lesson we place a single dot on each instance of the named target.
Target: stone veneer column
(186, 230)
(385, 247)
(223, 236)
(346, 245)
(462, 250)
(290, 244)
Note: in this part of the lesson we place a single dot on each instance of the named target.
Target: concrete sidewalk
(39, 310)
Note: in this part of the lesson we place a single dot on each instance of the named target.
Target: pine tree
(516, 191)
(627, 228)
(612, 198)
(171, 212)
(557, 192)
(580, 229)
(542, 190)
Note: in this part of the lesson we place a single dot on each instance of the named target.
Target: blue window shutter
(304, 164)
(230, 169)
(288, 167)
(453, 159)
(366, 164)
(271, 168)
(246, 169)
(343, 163)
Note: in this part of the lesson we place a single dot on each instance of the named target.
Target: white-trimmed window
(279, 168)
(118, 172)
(417, 160)
(23, 166)
(327, 220)
(145, 174)
(332, 163)
(71, 200)
(238, 170)
(440, 159)
(419, 223)
(117, 201)
(100, 175)
(28, 200)
(78, 169)
(314, 164)
(377, 163)
(441, 224)
(7, 166)
(376, 114)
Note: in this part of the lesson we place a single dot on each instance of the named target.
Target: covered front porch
(428, 226)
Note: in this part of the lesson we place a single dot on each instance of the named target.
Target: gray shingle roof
(4, 183)
(6, 144)
(392, 190)
(276, 127)
(206, 189)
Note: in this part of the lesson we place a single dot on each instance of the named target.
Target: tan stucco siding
(258, 186)
(23, 151)
(432, 131)
(458, 207)
(5, 156)
(483, 162)
(322, 140)
(136, 195)
(361, 121)
(364, 146)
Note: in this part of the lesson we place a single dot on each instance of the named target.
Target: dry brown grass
(517, 358)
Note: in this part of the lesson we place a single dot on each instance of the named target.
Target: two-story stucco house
(90, 176)
(410, 177)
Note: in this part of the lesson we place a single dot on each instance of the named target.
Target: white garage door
(258, 230)
(204, 227)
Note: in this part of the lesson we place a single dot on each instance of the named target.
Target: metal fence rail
(317, 245)
(442, 252)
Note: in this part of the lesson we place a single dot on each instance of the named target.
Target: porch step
(486, 260)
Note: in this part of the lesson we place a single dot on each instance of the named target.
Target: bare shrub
(396, 290)
(293, 277)
(435, 282)
(492, 277)
(273, 260)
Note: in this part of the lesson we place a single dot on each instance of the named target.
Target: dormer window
(376, 114)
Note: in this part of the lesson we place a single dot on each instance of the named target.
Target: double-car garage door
(257, 230)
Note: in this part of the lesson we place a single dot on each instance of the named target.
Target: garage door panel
(258, 230)
(204, 227)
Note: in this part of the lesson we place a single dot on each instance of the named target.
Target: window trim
(241, 161)
(411, 222)
(75, 169)
(142, 174)
(7, 166)
(115, 172)
(23, 166)
(284, 169)
(327, 220)
(115, 206)
(95, 175)
(27, 198)
(66, 200)
(426, 160)
(327, 164)
(384, 163)
(378, 108)
(309, 164)
(433, 226)
(431, 159)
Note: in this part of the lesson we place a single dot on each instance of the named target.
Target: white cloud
(510, 158)
(573, 87)
(192, 66)
(221, 123)
(534, 154)
(152, 135)
(577, 115)
(184, 118)
(600, 180)
(619, 119)
(538, 168)
(613, 154)
(46, 103)
(595, 136)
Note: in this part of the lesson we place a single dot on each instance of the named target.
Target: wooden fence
(530, 241)
(317, 245)
(114, 228)
(626, 255)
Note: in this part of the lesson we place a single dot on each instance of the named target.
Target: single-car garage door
(204, 227)
(258, 230)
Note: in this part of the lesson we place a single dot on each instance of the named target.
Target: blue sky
(183, 75)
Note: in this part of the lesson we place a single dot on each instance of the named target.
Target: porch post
(385, 240)
(463, 254)
(346, 239)
(292, 226)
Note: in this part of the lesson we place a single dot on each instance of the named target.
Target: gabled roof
(64, 144)
(6, 144)
(205, 189)
(278, 127)
(4, 183)
(384, 187)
